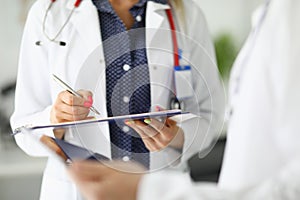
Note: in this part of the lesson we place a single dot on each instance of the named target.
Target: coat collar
(158, 5)
(86, 21)
(155, 18)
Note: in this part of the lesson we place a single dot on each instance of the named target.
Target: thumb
(168, 121)
(158, 108)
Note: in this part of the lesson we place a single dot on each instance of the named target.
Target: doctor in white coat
(262, 152)
(39, 58)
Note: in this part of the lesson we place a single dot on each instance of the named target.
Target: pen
(69, 89)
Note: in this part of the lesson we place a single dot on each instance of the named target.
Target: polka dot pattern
(122, 47)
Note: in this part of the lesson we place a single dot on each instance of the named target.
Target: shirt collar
(141, 3)
(105, 6)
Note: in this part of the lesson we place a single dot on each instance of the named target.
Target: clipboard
(69, 152)
(160, 114)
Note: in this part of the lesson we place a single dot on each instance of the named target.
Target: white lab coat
(262, 152)
(36, 92)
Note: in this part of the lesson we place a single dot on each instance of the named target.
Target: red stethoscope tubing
(175, 44)
(76, 4)
(174, 37)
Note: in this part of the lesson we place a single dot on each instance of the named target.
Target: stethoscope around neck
(54, 39)
(174, 102)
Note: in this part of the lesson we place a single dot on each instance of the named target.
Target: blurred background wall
(20, 175)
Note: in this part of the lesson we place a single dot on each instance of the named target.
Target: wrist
(178, 140)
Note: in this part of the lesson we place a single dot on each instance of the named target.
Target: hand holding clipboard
(69, 152)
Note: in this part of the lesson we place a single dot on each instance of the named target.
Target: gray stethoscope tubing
(61, 43)
(61, 29)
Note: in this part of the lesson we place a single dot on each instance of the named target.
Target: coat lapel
(155, 18)
(159, 44)
(86, 21)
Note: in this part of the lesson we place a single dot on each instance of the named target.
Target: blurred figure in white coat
(262, 153)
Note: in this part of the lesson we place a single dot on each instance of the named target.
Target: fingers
(59, 133)
(68, 107)
(71, 109)
(59, 114)
(152, 146)
(149, 131)
(69, 99)
(167, 130)
(87, 95)
(53, 146)
(152, 139)
(158, 108)
(145, 132)
(73, 117)
(156, 125)
(155, 134)
(148, 141)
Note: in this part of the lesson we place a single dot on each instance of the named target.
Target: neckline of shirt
(105, 6)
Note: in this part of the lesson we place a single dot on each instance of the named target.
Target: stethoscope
(174, 103)
(54, 39)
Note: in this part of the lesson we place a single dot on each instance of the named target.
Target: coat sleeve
(170, 186)
(33, 96)
(285, 184)
(285, 76)
(208, 101)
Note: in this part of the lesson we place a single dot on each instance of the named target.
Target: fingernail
(147, 121)
(87, 104)
(129, 122)
(90, 98)
(157, 108)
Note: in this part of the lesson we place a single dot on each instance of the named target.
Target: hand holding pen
(71, 105)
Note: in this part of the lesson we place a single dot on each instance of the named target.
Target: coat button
(126, 99)
(126, 67)
(126, 129)
(138, 18)
(125, 158)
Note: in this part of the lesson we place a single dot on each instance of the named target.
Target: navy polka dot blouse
(127, 76)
